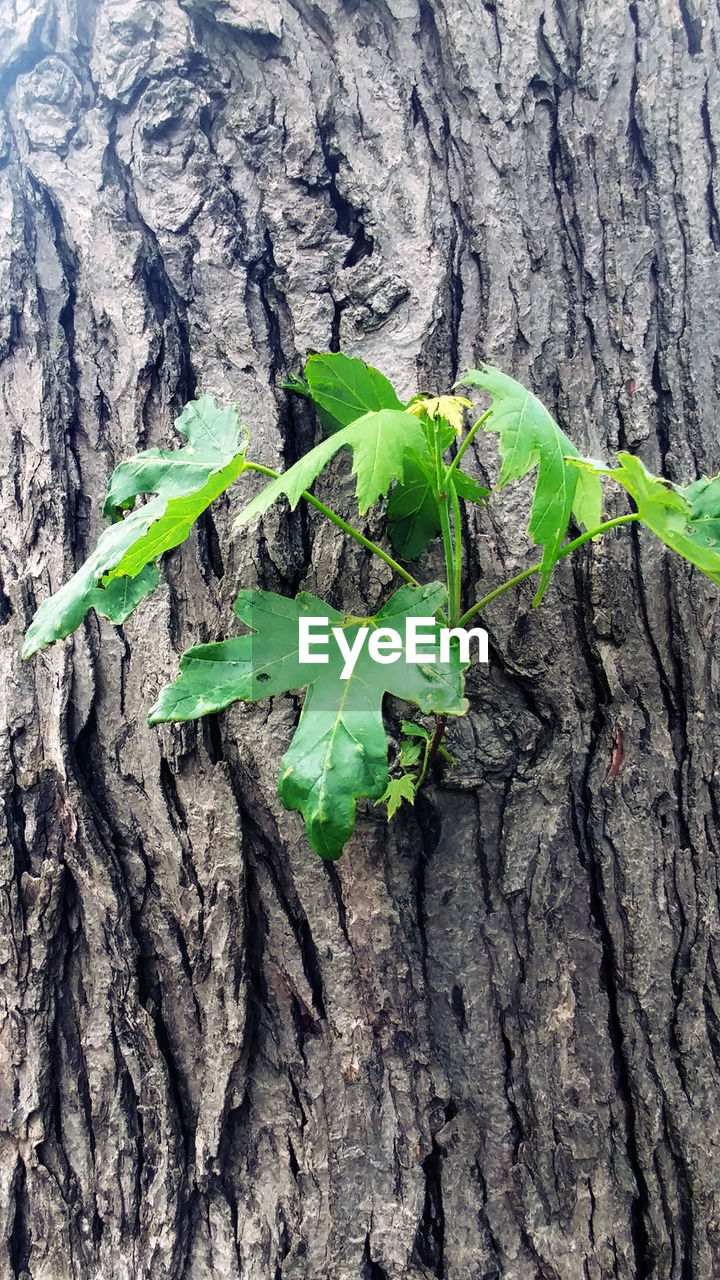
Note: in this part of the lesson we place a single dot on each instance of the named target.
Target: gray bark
(487, 1043)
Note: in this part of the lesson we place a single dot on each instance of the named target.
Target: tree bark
(486, 1044)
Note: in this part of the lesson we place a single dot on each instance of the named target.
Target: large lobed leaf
(380, 443)
(213, 438)
(687, 520)
(120, 571)
(529, 438)
(339, 750)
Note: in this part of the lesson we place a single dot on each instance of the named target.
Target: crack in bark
(428, 1248)
(713, 216)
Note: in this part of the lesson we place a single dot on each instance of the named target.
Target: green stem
(431, 749)
(341, 524)
(511, 582)
(467, 441)
(457, 527)
(528, 573)
(593, 533)
(440, 475)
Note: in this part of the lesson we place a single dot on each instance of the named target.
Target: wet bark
(486, 1043)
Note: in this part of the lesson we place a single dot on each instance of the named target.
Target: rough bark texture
(487, 1043)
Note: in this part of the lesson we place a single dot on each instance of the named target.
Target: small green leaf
(339, 750)
(343, 389)
(419, 731)
(397, 790)
(185, 481)
(415, 730)
(410, 753)
(686, 520)
(298, 386)
(381, 442)
(529, 438)
(467, 488)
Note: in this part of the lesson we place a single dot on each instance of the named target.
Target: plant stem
(442, 493)
(593, 533)
(468, 440)
(341, 524)
(511, 582)
(527, 573)
(432, 749)
(457, 527)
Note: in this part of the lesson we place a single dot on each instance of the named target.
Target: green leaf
(410, 753)
(174, 525)
(704, 498)
(213, 442)
(529, 438)
(398, 789)
(413, 515)
(343, 389)
(185, 481)
(419, 731)
(686, 520)
(467, 488)
(587, 505)
(415, 730)
(64, 611)
(117, 601)
(339, 751)
(381, 443)
(297, 385)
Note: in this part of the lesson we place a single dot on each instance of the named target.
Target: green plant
(411, 452)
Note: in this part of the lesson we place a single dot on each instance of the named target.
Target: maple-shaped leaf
(410, 753)
(686, 519)
(185, 481)
(343, 388)
(397, 790)
(339, 750)
(380, 443)
(529, 438)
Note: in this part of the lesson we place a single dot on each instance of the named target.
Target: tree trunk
(487, 1042)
